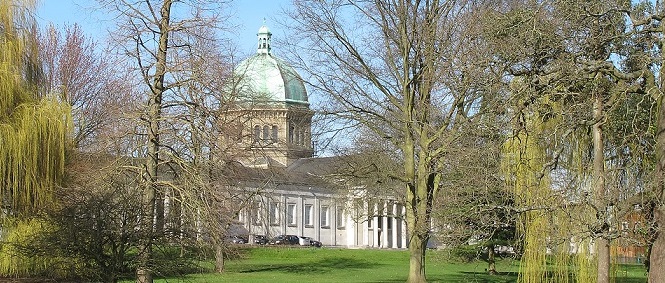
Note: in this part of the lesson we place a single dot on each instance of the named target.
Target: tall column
(317, 219)
(333, 223)
(375, 226)
(282, 211)
(385, 234)
(364, 225)
(351, 227)
(394, 226)
(404, 231)
(300, 215)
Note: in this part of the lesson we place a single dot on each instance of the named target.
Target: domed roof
(266, 78)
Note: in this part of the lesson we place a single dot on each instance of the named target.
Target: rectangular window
(308, 215)
(291, 214)
(325, 216)
(291, 130)
(275, 132)
(257, 133)
(340, 216)
(274, 213)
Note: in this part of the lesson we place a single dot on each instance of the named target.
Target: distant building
(289, 192)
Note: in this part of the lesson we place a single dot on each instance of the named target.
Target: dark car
(238, 240)
(313, 243)
(260, 239)
(285, 240)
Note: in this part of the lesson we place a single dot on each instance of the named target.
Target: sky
(247, 14)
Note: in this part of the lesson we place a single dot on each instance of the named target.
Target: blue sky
(247, 14)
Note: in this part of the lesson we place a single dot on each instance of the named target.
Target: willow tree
(390, 67)
(565, 64)
(33, 132)
(33, 128)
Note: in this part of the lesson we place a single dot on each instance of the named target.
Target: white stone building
(290, 194)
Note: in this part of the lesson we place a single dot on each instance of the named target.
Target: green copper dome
(266, 78)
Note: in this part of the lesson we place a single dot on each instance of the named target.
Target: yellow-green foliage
(546, 229)
(523, 160)
(13, 262)
(33, 138)
(33, 129)
(19, 235)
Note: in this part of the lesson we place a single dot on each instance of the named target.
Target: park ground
(274, 265)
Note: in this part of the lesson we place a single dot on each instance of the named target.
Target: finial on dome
(264, 39)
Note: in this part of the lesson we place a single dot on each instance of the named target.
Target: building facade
(288, 188)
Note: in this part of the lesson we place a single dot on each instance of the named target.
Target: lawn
(344, 265)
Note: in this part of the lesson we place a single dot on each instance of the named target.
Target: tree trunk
(602, 242)
(603, 250)
(219, 258)
(159, 213)
(491, 260)
(143, 272)
(657, 251)
(417, 214)
(417, 246)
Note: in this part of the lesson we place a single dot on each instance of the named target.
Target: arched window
(275, 133)
(266, 133)
(257, 133)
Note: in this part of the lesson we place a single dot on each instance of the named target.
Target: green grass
(343, 265)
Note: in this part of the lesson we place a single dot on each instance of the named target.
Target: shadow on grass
(321, 266)
(464, 277)
(507, 277)
(480, 277)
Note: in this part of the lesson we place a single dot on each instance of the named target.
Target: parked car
(285, 240)
(238, 240)
(312, 242)
(260, 240)
(303, 241)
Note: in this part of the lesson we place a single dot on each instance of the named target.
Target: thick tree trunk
(657, 252)
(219, 258)
(602, 242)
(417, 246)
(603, 250)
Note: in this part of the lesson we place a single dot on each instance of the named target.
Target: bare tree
(75, 68)
(152, 34)
(392, 68)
